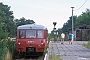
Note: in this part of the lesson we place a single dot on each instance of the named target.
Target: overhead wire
(81, 6)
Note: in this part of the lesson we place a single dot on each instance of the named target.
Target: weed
(54, 57)
(8, 56)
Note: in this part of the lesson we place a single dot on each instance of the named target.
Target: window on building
(30, 33)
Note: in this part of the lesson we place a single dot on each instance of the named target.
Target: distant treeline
(8, 23)
(8, 26)
(83, 19)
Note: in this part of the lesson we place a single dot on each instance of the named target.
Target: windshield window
(21, 33)
(40, 33)
(30, 33)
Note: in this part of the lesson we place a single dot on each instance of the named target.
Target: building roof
(31, 26)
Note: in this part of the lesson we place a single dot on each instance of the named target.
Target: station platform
(74, 51)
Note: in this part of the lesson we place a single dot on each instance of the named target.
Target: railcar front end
(32, 40)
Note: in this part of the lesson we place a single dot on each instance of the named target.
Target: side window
(30, 33)
(21, 33)
(40, 34)
(47, 34)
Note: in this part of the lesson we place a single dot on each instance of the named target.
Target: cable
(81, 6)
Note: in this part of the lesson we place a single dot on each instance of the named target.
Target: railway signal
(55, 31)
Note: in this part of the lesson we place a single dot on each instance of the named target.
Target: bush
(45, 51)
(11, 47)
(3, 49)
(87, 45)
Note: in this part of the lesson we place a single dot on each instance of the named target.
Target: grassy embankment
(10, 54)
(87, 45)
(2, 49)
(54, 57)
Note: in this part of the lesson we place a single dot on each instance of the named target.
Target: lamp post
(72, 20)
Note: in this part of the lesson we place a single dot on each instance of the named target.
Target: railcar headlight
(19, 43)
(42, 43)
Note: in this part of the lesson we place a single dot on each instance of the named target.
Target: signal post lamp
(54, 30)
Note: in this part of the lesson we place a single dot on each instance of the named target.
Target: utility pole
(72, 20)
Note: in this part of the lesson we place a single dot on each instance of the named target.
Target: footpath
(68, 51)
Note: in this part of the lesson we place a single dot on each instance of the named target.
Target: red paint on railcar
(30, 42)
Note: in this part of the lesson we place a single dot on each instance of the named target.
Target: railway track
(31, 58)
(26, 59)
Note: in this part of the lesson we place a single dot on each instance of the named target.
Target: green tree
(23, 21)
(2, 17)
(7, 16)
(68, 24)
(84, 18)
(59, 31)
(3, 34)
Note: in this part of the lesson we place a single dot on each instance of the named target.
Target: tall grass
(8, 56)
(10, 50)
(54, 57)
(3, 48)
(87, 45)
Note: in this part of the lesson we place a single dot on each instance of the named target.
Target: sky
(45, 12)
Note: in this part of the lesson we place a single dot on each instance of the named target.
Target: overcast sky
(45, 12)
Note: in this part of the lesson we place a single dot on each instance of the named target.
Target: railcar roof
(31, 26)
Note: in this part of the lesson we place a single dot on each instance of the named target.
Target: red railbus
(31, 38)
